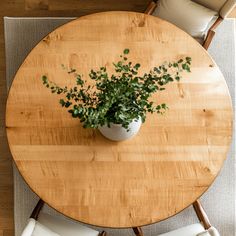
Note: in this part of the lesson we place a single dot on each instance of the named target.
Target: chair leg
(103, 233)
(209, 38)
(138, 231)
(151, 8)
(201, 214)
(37, 209)
(211, 33)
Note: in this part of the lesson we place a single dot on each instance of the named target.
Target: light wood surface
(165, 168)
(37, 8)
(25, 8)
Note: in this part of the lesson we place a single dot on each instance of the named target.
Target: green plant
(119, 98)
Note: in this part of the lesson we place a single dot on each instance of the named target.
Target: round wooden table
(162, 170)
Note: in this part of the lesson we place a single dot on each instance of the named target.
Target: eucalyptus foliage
(120, 98)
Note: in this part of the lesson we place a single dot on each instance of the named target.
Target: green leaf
(137, 66)
(44, 79)
(119, 97)
(126, 51)
(79, 80)
(175, 64)
(67, 104)
(71, 71)
(62, 102)
(188, 59)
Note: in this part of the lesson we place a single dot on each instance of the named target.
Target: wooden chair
(47, 225)
(221, 8)
(204, 228)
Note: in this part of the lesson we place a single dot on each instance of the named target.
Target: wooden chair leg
(103, 233)
(151, 8)
(138, 231)
(37, 209)
(201, 214)
(209, 38)
(211, 33)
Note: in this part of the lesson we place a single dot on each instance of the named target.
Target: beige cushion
(190, 230)
(48, 225)
(41, 230)
(215, 5)
(223, 7)
(187, 15)
(227, 8)
(210, 232)
(205, 233)
(65, 226)
(193, 230)
(29, 229)
(213, 232)
(34, 228)
(200, 40)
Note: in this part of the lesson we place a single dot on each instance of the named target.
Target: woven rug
(22, 34)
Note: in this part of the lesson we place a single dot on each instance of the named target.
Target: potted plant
(117, 104)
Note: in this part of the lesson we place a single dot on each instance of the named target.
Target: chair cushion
(205, 233)
(65, 227)
(193, 18)
(28, 230)
(193, 230)
(213, 232)
(34, 228)
(224, 7)
(227, 8)
(200, 40)
(190, 230)
(41, 230)
(210, 232)
(215, 5)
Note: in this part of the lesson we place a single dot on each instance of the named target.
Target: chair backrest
(224, 7)
(194, 229)
(64, 226)
(213, 231)
(34, 228)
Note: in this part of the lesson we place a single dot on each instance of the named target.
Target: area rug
(22, 34)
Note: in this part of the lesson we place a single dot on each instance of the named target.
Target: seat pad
(189, 16)
(190, 230)
(34, 228)
(65, 227)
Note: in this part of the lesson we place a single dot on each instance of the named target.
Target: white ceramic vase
(118, 133)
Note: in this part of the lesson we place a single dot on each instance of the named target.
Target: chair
(203, 228)
(47, 225)
(199, 18)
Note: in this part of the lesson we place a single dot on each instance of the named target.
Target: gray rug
(22, 34)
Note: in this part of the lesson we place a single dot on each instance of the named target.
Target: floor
(40, 8)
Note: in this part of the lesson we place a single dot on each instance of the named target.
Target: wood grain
(22, 8)
(165, 168)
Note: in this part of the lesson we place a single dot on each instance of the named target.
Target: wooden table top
(162, 170)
